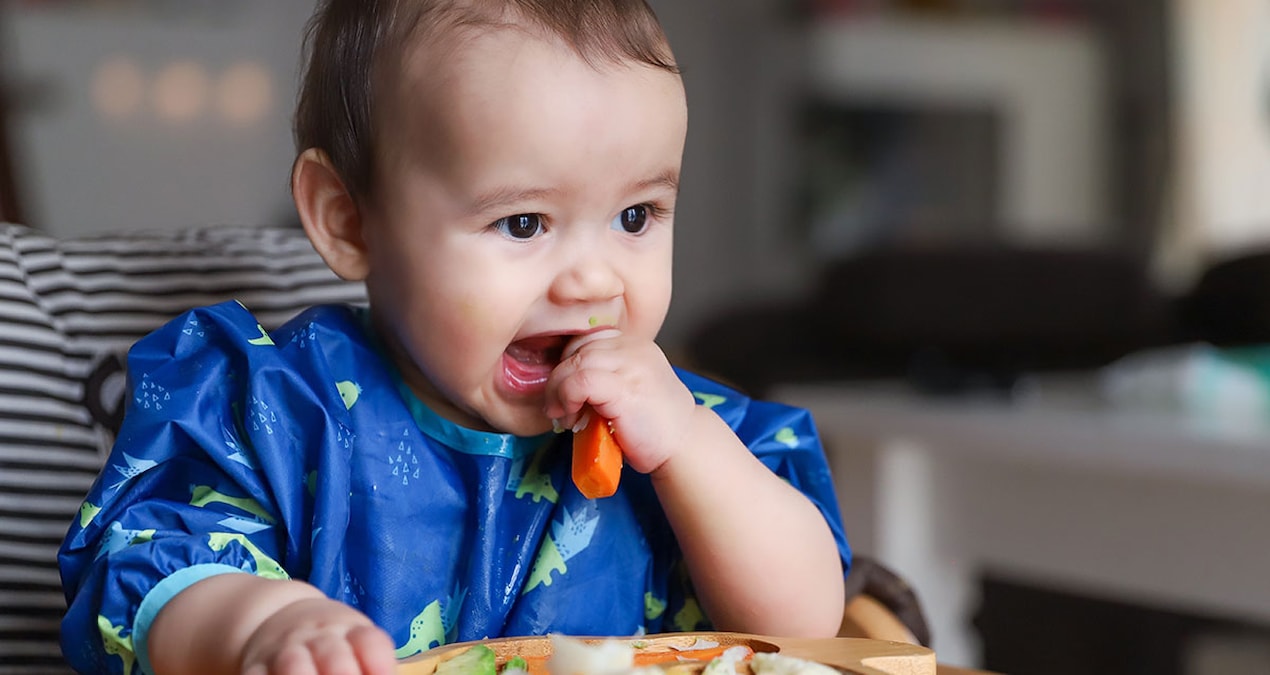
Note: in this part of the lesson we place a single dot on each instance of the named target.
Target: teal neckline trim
(467, 441)
(445, 432)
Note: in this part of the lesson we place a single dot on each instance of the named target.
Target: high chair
(881, 606)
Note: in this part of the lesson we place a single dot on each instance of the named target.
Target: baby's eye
(520, 226)
(632, 219)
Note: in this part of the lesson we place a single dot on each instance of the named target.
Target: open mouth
(528, 363)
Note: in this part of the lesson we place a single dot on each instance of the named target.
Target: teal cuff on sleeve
(159, 596)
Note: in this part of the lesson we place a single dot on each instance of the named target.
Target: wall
(1046, 83)
(1221, 204)
(138, 164)
(741, 67)
(748, 68)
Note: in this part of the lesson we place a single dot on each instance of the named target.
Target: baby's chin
(534, 427)
(526, 420)
(523, 418)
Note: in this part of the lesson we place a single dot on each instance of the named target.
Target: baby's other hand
(628, 381)
(317, 636)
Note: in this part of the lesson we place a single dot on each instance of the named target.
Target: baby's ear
(329, 214)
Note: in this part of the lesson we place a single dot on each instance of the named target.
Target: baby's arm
(761, 556)
(205, 482)
(233, 623)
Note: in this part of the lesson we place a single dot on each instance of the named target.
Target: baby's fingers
(573, 391)
(294, 659)
(584, 377)
(317, 635)
(363, 649)
(584, 340)
(374, 650)
(334, 657)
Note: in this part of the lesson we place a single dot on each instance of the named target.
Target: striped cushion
(69, 309)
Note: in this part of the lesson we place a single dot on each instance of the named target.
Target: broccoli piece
(478, 660)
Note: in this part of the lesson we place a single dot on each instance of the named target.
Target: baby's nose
(589, 279)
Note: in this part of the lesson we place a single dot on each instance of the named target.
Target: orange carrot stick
(597, 459)
(705, 654)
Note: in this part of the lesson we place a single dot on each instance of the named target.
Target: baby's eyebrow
(501, 198)
(668, 179)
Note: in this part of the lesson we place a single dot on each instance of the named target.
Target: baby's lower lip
(525, 378)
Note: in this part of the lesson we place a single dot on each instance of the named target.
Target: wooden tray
(850, 655)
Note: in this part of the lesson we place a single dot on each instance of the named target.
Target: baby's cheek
(470, 309)
(474, 317)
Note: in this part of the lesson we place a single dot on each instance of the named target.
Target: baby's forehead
(448, 24)
(446, 62)
(442, 33)
(454, 40)
(439, 65)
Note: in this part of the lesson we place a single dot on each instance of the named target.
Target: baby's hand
(316, 636)
(628, 381)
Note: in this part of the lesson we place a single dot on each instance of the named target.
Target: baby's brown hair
(348, 45)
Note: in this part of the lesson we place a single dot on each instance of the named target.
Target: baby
(367, 483)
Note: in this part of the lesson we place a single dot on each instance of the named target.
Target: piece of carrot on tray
(703, 654)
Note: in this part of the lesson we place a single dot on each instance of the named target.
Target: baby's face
(523, 197)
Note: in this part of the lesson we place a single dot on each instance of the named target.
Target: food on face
(597, 459)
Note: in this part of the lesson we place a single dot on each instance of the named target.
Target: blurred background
(1010, 252)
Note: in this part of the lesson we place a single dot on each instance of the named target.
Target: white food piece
(765, 663)
(725, 663)
(570, 656)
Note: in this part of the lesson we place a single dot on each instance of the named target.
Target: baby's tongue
(537, 351)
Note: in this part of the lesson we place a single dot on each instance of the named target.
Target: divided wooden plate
(849, 655)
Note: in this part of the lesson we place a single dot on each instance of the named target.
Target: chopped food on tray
(775, 664)
(573, 656)
(516, 665)
(478, 660)
(570, 656)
